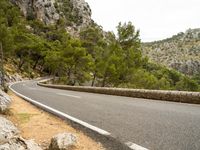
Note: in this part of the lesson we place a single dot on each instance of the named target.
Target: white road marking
(74, 96)
(61, 114)
(134, 146)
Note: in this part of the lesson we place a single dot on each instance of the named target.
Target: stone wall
(175, 96)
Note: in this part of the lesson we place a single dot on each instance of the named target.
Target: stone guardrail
(174, 96)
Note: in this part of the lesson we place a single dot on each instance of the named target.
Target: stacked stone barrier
(174, 96)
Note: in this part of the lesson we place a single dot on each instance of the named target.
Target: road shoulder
(37, 124)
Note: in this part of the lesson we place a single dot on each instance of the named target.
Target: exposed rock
(192, 34)
(20, 144)
(16, 77)
(4, 101)
(188, 67)
(63, 141)
(10, 139)
(12, 78)
(7, 131)
(32, 145)
(76, 13)
(84, 12)
(43, 10)
(181, 52)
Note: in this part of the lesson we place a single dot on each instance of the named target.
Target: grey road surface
(156, 125)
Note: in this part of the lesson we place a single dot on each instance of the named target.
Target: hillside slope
(181, 52)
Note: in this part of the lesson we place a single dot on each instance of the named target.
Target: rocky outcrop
(76, 13)
(84, 11)
(43, 10)
(7, 131)
(192, 34)
(11, 140)
(19, 143)
(63, 141)
(4, 101)
(181, 52)
(12, 78)
(190, 67)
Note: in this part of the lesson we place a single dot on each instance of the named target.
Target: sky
(156, 19)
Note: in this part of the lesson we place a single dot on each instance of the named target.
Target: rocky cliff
(75, 14)
(181, 52)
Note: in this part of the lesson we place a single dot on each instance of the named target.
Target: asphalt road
(156, 125)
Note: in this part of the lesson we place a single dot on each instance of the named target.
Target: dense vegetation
(96, 58)
(70, 14)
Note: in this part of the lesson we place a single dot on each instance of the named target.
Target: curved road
(156, 125)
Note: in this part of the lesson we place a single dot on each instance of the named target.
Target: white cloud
(156, 19)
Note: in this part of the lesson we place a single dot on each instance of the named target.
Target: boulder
(42, 10)
(32, 145)
(19, 143)
(4, 101)
(7, 131)
(63, 141)
(10, 139)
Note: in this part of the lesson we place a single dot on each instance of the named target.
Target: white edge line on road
(134, 146)
(85, 124)
(131, 145)
(74, 96)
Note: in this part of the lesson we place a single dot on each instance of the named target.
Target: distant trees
(187, 84)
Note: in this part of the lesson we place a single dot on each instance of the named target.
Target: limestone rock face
(11, 140)
(43, 10)
(31, 144)
(7, 131)
(181, 52)
(189, 67)
(76, 13)
(84, 11)
(12, 78)
(19, 143)
(62, 141)
(4, 101)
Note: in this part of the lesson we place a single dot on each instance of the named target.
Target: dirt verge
(37, 124)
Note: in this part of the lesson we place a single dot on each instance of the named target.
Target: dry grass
(42, 126)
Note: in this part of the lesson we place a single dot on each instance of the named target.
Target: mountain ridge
(180, 52)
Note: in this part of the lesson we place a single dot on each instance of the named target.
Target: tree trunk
(54, 76)
(35, 65)
(104, 79)
(2, 67)
(42, 66)
(94, 78)
(75, 77)
(69, 76)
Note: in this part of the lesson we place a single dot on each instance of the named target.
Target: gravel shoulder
(41, 126)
